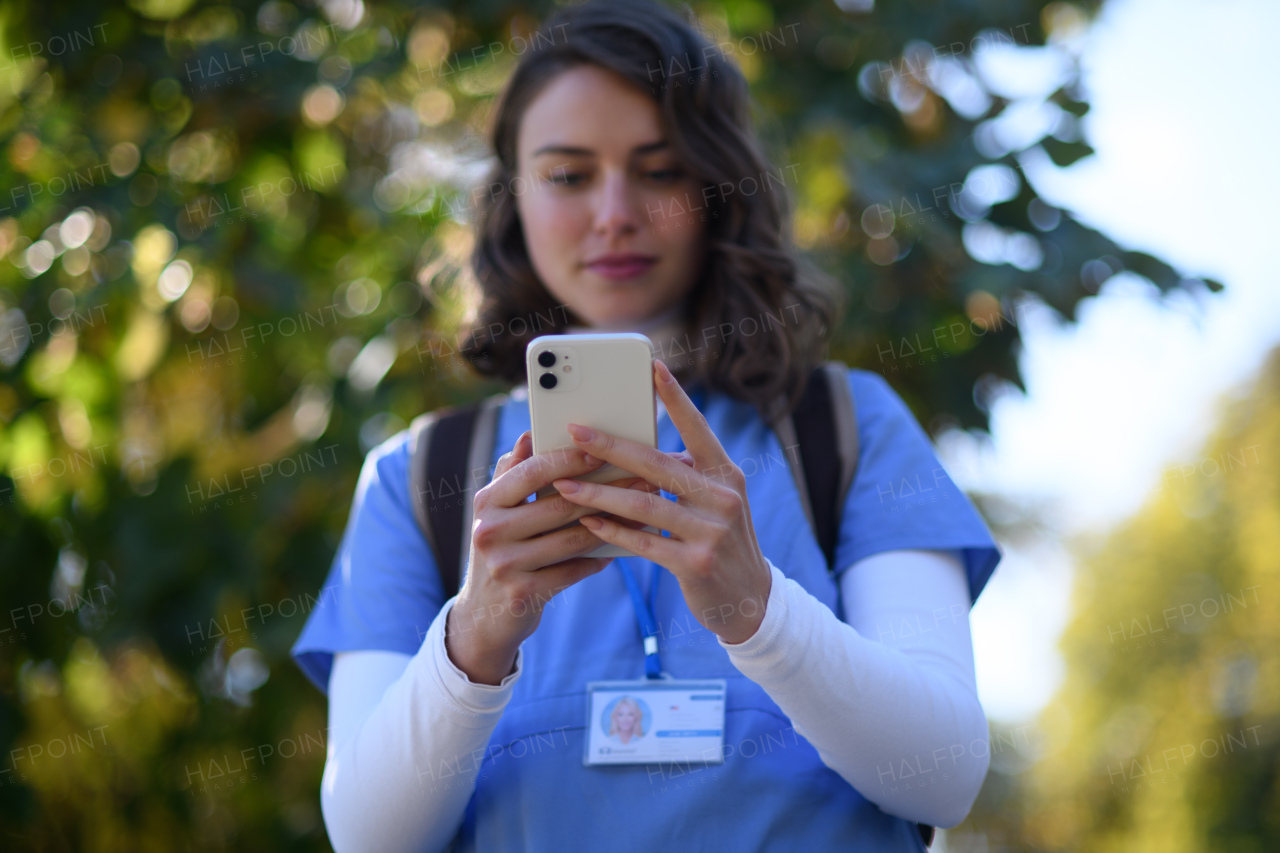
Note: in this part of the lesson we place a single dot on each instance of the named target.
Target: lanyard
(645, 610)
(644, 615)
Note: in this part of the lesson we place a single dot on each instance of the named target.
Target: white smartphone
(603, 381)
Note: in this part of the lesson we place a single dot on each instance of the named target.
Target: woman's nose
(615, 206)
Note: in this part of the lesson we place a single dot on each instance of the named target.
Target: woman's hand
(712, 549)
(516, 566)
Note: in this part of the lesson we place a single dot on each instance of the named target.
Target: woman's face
(625, 719)
(604, 202)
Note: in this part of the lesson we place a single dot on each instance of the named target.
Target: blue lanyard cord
(644, 615)
(645, 612)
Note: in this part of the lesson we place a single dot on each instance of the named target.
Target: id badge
(655, 721)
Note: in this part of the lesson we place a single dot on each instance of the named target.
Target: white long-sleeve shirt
(887, 698)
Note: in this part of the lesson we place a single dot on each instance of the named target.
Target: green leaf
(1065, 153)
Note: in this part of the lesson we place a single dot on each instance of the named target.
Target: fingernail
(591, 522)
(591, 460)
(581, 433)
(664, 373)
(568, 487)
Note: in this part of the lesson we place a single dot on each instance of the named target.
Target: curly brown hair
(750, 276)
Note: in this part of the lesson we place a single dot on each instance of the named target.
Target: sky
(1183, 119)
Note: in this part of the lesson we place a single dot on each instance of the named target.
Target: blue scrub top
(773, 792)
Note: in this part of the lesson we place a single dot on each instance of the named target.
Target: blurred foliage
(1165, 734)
(233, 240)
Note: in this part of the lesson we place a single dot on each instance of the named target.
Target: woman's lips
(621, 266)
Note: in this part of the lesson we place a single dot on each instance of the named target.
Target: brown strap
(824, 419)
(443, 480)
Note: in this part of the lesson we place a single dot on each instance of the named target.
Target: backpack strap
(824, 419)
(443, 480)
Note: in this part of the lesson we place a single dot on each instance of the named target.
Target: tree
(1164, 733)
(236, 240)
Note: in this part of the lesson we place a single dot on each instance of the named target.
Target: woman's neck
(661, 330)
(673, 314)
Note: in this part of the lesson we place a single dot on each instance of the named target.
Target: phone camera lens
(547, 380)
(546, 358)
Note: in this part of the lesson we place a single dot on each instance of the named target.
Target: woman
(626, 721)
(849, 712)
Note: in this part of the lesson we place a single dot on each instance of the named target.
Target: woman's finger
(640, 484)
(532, 555)
(566, 573)
(520, 451)
(659, 468)
(553, 512)
(536, 471)
(649, 546)
(640, 506)
(700, 441)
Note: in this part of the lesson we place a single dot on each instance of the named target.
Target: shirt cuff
(765, 639)
(464, 693)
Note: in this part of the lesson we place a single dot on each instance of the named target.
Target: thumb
(521, 451)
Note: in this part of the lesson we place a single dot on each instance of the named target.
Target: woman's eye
(664, 175)
(567, 179)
